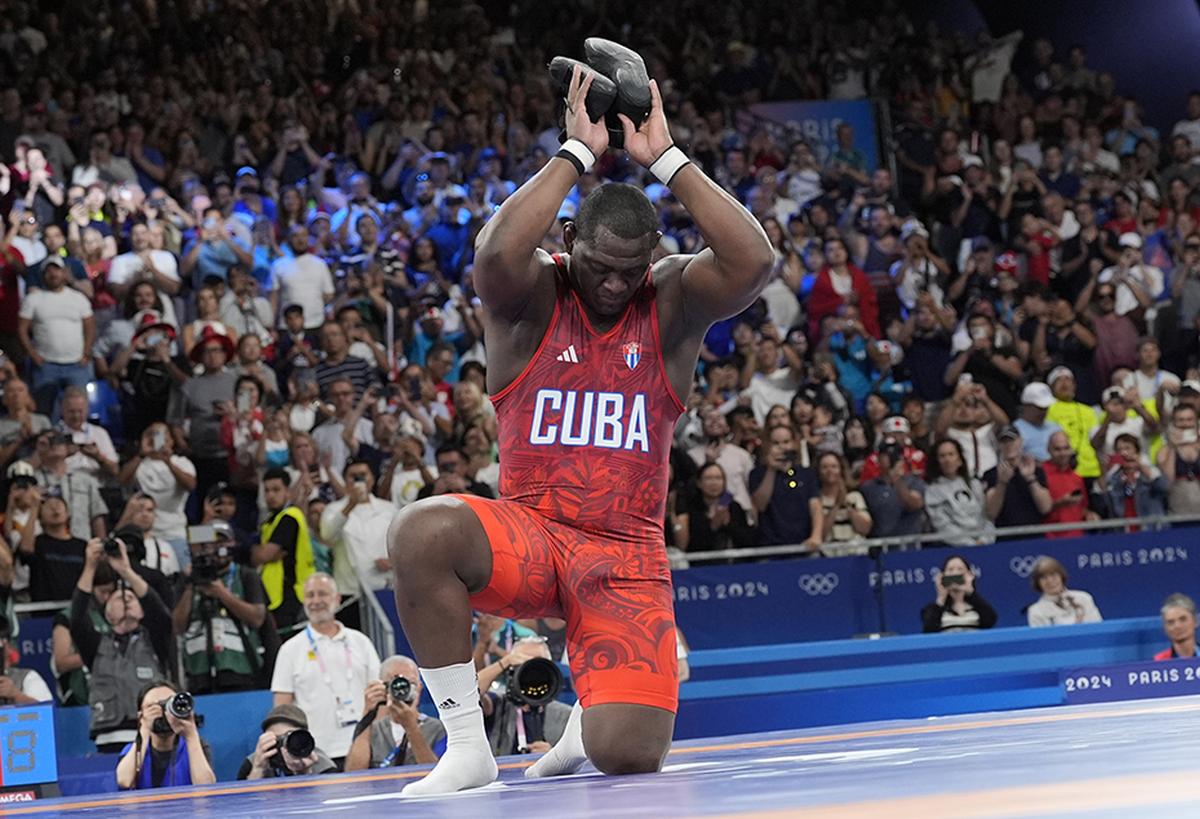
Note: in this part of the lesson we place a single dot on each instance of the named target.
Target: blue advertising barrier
(1128, 575)
(810, 599)
(817, 121)
(1131, 681)
(35, 646)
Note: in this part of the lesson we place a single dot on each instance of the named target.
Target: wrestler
(590, 357)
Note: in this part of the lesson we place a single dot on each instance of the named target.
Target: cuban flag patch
(633, 354)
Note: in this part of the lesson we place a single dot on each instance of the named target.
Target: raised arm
(727, 276)
(508, 267)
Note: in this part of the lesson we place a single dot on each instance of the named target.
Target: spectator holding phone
(161, 474)
(198, 407)
(1058, 605)
(355, 527)
(1179, 460)
(958, 607)
(1068, 492)
(712, 520)
(1132, 487)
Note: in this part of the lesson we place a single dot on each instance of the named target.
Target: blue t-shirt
(1036, 440)
(786, 518)
(214, 261)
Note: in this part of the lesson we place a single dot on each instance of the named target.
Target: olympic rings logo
(818, 584)
(1022, 565)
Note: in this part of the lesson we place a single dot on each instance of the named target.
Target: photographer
(219, 614)
(959, 607)
(285, 730)
(165, 717)
(136, 649)
(515, 723)
(392, 731)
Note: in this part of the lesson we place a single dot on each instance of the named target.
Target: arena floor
(1116, 760)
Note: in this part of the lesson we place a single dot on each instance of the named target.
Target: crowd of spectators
(239, 327)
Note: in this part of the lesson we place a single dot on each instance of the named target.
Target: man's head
(440, 361)
(1148, 353)
(1062, 383)
(54, 274)
(123, 611)
(74, 407)
(1061, 453)
(358, 473)
(333, 339)
(1011, 444)
(53, 515)
(142, 512)
(321, 598)
(611, 241)
(1036, 399)
(451, 460)
(275, 489)
(220, 503)
(1179, 618)
(716, 428)
(781, 443)
(17, 397)
(298, 239)
(54, 447)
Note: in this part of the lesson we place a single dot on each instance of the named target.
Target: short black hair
(623, 209)
(352, 462)
(446, 449)
(278, 474)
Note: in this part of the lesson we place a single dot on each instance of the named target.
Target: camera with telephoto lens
(180, 706)
(535, 682)
(893, 449)
(400, 690)
(206, 568)
(299, 744)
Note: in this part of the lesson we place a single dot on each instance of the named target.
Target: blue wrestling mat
(1112, 760)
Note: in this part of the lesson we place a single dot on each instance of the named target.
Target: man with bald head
(1068, 493)
(399, 734)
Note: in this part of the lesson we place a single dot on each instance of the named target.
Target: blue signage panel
(1131, 681)
(27, 745)
(816, 121)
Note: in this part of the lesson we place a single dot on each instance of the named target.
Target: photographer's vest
(229, 647)
(17, 675)
(289, 570)
(73, 685)
(123, 666)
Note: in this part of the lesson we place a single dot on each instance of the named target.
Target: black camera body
(180, 706)
(298, 742)
(535, 682)
(401, 690)
(206, 568)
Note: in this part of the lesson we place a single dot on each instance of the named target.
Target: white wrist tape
(582, 153)
(666, 166)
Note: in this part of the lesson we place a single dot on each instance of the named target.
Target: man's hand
(382, 564)
(405, 714)
(216, 589)
(576, 121)
(267, 743)
(651, 139)
(1004, 473)
(374, 696)
(1027, 466)
(93, 553)
(8, 688)
(120, 564)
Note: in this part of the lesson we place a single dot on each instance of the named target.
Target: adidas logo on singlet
(568, 355)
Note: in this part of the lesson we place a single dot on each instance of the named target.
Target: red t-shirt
(915, 458)
(1062, 482)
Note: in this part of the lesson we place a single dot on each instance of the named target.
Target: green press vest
(229, 650)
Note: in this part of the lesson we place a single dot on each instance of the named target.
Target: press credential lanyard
(312, 644)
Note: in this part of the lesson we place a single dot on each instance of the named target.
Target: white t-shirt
(361, 537)
(332, 698)
(978, 447)
(765, 391)
(157, 481)
(128, 266)
(57, 323)
(32, 250)
(1189, 128)
(304, 281)
(1147, 275)
(161, 555)
(407, 483)
(91, 434)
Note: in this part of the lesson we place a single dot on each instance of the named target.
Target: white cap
(1037, 394)
(895, 425)
(1057, 373)
(1130, 239)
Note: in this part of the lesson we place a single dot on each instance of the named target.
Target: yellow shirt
(1079, 421)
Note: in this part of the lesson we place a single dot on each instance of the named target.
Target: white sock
(568, 755)
(468, 761)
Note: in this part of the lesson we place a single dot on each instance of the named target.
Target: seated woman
(710, 520)
(1179, 624)
(1058, 605)
(954, 500)
(958, 607)
(846, 514)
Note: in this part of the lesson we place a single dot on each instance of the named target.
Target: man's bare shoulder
(667, 272)
(537, 304)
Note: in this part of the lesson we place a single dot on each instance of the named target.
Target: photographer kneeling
(220, 611)
(158, 758)
(392, 731)
(285, 748)
(134, 651)
(523, 716)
